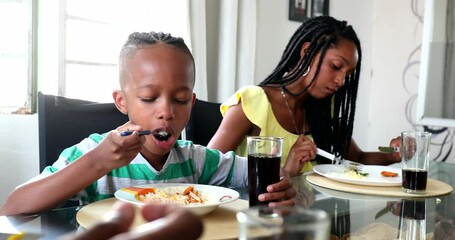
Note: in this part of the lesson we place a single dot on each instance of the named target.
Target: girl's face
(339, 62)
(158, 95)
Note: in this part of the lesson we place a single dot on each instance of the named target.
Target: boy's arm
(48, 192)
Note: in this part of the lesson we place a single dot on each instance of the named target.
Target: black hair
(140, 40)
(323, 32)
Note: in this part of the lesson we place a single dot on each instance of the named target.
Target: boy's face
(158, 95)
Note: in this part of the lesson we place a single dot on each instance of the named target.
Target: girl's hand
(117, 151)
(396, 142)
(302, 151)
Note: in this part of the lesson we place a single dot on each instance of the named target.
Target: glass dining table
(352, 215)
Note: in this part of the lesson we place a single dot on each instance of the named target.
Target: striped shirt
(186, 163)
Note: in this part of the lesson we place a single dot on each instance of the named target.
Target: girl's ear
(120, 101)
(304, 49)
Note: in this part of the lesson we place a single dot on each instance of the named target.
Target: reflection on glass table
(46, 225)
(351, 214)
(359, 215)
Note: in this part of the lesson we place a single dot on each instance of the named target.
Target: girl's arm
(233, 129)
(375, 158)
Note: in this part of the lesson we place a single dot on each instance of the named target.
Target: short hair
(141, 40)
(322, 32)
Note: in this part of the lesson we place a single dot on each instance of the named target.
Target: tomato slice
(137, 191)
(389, 174)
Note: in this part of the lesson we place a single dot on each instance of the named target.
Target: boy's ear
(193, 100)
(119, 101)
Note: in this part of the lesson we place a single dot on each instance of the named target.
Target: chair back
(204, 122)
(64, 122)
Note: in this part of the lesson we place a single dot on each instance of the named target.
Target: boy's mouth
(161, 135)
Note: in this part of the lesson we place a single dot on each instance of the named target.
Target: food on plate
(389, 174)
(350, 173)
(354, 173)
(178, 195)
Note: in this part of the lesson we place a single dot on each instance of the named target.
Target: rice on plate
(179, 195)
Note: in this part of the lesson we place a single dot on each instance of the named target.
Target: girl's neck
(295, 101)
(288, 110)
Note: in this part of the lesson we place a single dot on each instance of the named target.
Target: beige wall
(18, 151)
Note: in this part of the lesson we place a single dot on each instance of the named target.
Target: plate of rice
(198, 198)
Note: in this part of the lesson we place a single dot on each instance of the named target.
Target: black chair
(64, 122)
(204, 122)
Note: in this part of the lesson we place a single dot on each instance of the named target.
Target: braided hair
(323, 32)
(140, 40)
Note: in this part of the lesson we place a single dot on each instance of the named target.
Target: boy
(157, 75)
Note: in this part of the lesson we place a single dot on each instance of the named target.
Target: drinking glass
(285, 222)
(413, 219)
(264, 161)
(415, 155)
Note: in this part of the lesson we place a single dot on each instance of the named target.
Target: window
(93, 37)
(16, 48)
(78, 42)
(93, 34)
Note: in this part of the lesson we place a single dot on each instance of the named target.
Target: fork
(346, 163)
(352, 165)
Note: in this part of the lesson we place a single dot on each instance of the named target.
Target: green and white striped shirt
(186, 163)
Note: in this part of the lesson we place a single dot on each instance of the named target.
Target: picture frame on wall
(319, 8)
(301, 10)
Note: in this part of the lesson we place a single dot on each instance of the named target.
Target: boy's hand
(281, 193)
(302, 151)
(116, 150)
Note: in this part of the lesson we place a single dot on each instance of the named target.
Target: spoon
(127, 133)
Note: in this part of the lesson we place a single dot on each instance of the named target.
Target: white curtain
(223, 41)
(449, 69)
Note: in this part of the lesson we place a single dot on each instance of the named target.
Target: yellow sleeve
(253, 100)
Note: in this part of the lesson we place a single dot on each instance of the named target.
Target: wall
(392, 51)
(18, 151)
(397, 38)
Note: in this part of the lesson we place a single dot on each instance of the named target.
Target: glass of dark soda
(264, 162)
(415, 155)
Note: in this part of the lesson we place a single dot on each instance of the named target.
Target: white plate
(374, 177)
(213, 194)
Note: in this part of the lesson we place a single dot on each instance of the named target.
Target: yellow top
(258, 110)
